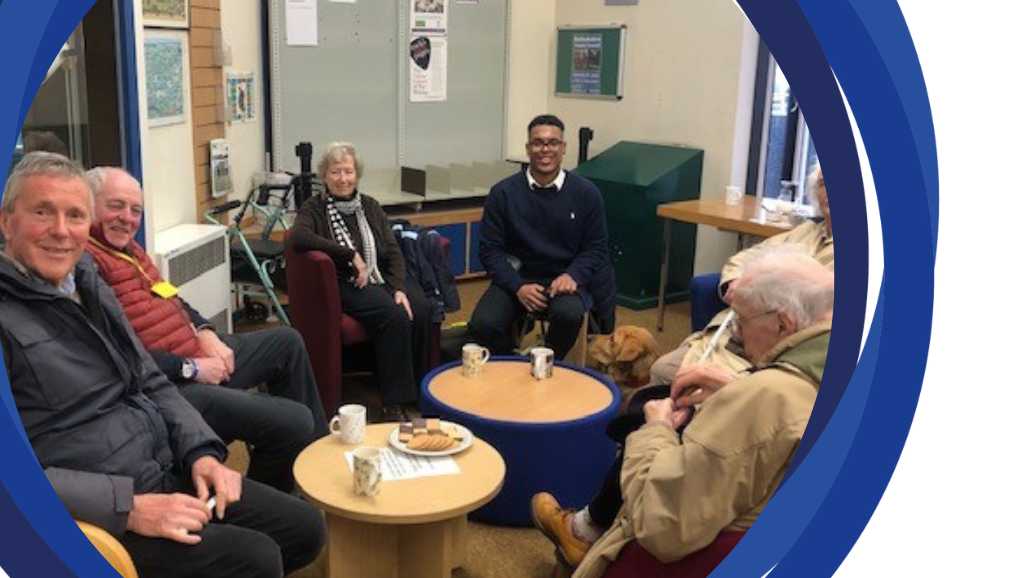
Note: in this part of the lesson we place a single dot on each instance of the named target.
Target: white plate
(393, 441)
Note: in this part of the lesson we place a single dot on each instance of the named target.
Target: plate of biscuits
(430, 437)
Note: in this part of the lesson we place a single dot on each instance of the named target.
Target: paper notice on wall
(428, 69)
(301, 22)
(585, 76)
(428, 17)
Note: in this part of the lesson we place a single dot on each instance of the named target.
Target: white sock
(584, 527)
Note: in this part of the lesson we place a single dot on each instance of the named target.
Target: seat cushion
(353, 331)
(634, 560)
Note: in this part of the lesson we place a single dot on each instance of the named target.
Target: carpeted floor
(497, 552)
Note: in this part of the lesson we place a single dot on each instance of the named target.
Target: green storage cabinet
(635, 178)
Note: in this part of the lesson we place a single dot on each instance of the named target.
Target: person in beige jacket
(816, 239)
(679, 494)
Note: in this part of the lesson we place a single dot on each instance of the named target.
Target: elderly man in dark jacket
(120, 445)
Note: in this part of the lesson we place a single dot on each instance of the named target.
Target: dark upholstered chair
(704, 300)
(634, 560)
(318, 314)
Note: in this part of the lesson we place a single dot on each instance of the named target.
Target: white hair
(97, 178)
(40, 163)
(786, 279)
(336, 152)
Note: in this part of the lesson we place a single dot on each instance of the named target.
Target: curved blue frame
(858, 49)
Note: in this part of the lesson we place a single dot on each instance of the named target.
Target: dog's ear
(630, 351)
(643, 336)
(601, 349)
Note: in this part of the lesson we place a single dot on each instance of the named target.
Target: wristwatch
(189, 369)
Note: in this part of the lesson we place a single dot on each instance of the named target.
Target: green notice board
(589, 62)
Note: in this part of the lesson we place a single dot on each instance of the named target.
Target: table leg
(430, 550)
(666, 243)
(460, 532)
(362, 550)
(365, 550)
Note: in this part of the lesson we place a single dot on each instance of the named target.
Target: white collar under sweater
(557, 183)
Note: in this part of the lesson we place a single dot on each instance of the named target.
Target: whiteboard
(354, 86)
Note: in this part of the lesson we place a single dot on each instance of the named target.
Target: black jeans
(492, 321)
(276, 426)
(609, 499)
(401, 346)
(266, 533)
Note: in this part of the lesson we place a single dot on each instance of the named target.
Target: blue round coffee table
(551, 432)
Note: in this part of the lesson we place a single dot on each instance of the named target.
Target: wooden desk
(746, 218)
(414, 528)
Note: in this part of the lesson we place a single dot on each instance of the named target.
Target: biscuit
(430, 440)
(417, 443)
(453, 432)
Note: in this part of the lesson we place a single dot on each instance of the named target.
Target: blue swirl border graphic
(866, 404)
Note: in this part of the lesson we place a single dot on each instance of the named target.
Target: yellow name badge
(164, 290)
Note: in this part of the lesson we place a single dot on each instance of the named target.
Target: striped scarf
(335, 210)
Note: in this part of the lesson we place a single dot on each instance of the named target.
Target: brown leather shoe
(554, 522)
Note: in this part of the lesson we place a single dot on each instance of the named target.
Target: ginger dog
(626, 356)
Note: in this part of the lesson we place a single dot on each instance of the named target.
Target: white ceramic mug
(474, 358)
(542, 362)
(734, 196)
(350, 424)
(366, 471)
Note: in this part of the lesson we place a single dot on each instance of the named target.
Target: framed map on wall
(165, 13)
(165, 76)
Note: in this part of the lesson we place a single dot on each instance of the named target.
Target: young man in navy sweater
(544, 243)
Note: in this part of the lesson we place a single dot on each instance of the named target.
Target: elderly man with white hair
(811, 237)
(678, 494)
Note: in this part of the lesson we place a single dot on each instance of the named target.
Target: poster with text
(585, 76)
(428, 17)
(428, 69)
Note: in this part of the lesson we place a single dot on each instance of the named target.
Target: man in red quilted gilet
(214, 372)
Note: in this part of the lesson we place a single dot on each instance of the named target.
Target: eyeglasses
(543, 144)
(737, 320)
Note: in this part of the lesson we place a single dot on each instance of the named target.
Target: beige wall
(683, 85)
(530, 68)
(240, 28)
(168, 170)
(169, 166)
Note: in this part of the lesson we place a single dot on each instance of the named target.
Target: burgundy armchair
(634, 560)
(317, 312)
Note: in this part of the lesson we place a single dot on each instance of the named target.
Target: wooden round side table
(415, 528)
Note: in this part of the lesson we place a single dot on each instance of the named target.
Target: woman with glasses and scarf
(353, 230)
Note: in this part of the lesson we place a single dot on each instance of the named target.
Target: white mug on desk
(734, 195)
